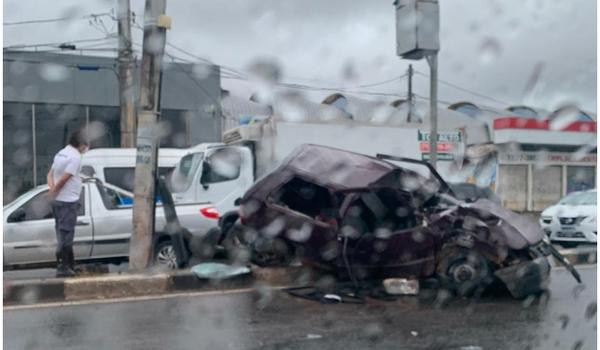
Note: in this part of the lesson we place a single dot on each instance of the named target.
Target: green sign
(440, 156)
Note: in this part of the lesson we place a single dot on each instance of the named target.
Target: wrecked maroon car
(365, 217)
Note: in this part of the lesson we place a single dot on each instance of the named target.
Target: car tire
(463, 272)
(164, 256)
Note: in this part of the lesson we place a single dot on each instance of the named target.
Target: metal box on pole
(417, 28)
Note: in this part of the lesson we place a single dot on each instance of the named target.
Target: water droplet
(578, 345)
(18, 67)
(528, 301)
(300, 235)
(374, 332)
(489, 50)
(563, 117)
(265, 70)
(577, 290)
(590, 311)
(203, 70)
(275, 227)
(564, 321)
(54, 72)
(349, 71)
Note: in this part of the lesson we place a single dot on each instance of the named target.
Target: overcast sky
(536, 52)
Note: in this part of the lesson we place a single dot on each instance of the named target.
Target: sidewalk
(111, 285)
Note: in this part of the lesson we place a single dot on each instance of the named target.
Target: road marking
(133, 299)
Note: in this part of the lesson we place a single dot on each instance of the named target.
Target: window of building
(546, 187)
(512, 186)
(18, 150)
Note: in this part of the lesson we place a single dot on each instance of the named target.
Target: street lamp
(417, 37)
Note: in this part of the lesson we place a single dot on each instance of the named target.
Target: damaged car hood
(518, 230)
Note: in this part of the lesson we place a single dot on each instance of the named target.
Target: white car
(572, 220)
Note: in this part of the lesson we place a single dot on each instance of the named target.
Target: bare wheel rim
(166, 257)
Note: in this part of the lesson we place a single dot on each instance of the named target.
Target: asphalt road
(267, 319)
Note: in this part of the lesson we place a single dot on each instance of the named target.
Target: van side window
(113, 199)
(123, 177)
(222, 165)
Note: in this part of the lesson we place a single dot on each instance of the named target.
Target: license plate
(567, 228)
(565, 234)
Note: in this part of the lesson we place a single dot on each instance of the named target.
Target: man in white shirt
(65, 188)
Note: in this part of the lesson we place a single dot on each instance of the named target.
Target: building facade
(47, 96)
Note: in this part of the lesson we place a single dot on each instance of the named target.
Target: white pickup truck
(103, 227)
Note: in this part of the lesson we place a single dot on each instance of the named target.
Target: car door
(112, 213)
(30, 236)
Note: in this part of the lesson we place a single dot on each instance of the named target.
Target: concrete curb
(130, 285)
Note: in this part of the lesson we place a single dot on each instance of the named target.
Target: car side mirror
(238, 201)
(17, 216)
(205, 186)
(205, 176)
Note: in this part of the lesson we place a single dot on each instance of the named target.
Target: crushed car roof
(336, 168)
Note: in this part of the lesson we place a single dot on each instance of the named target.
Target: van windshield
(185, 170)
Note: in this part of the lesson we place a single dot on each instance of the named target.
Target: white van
(116, 166)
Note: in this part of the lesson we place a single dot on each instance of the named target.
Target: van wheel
(164, 255)
(463, 272)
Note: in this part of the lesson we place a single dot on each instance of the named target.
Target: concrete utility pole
(126, 90)
(433, 80)
(156, 24)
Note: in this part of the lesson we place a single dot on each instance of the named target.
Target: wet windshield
(183, 175)
(585, 198)
(486, 109)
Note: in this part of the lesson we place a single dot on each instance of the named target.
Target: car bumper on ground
(526, 278)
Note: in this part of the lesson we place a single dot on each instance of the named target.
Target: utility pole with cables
(156, 24)
(126, 88)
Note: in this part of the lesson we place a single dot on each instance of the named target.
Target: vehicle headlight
(589, 219)
(580, 219)
(546, 219)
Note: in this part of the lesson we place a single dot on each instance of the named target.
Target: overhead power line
(474, 93)
(60, 19)
(108, 37)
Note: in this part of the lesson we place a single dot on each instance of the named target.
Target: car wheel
(164, 255)
(462, 271)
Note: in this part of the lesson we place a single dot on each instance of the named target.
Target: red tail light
(210, 212)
